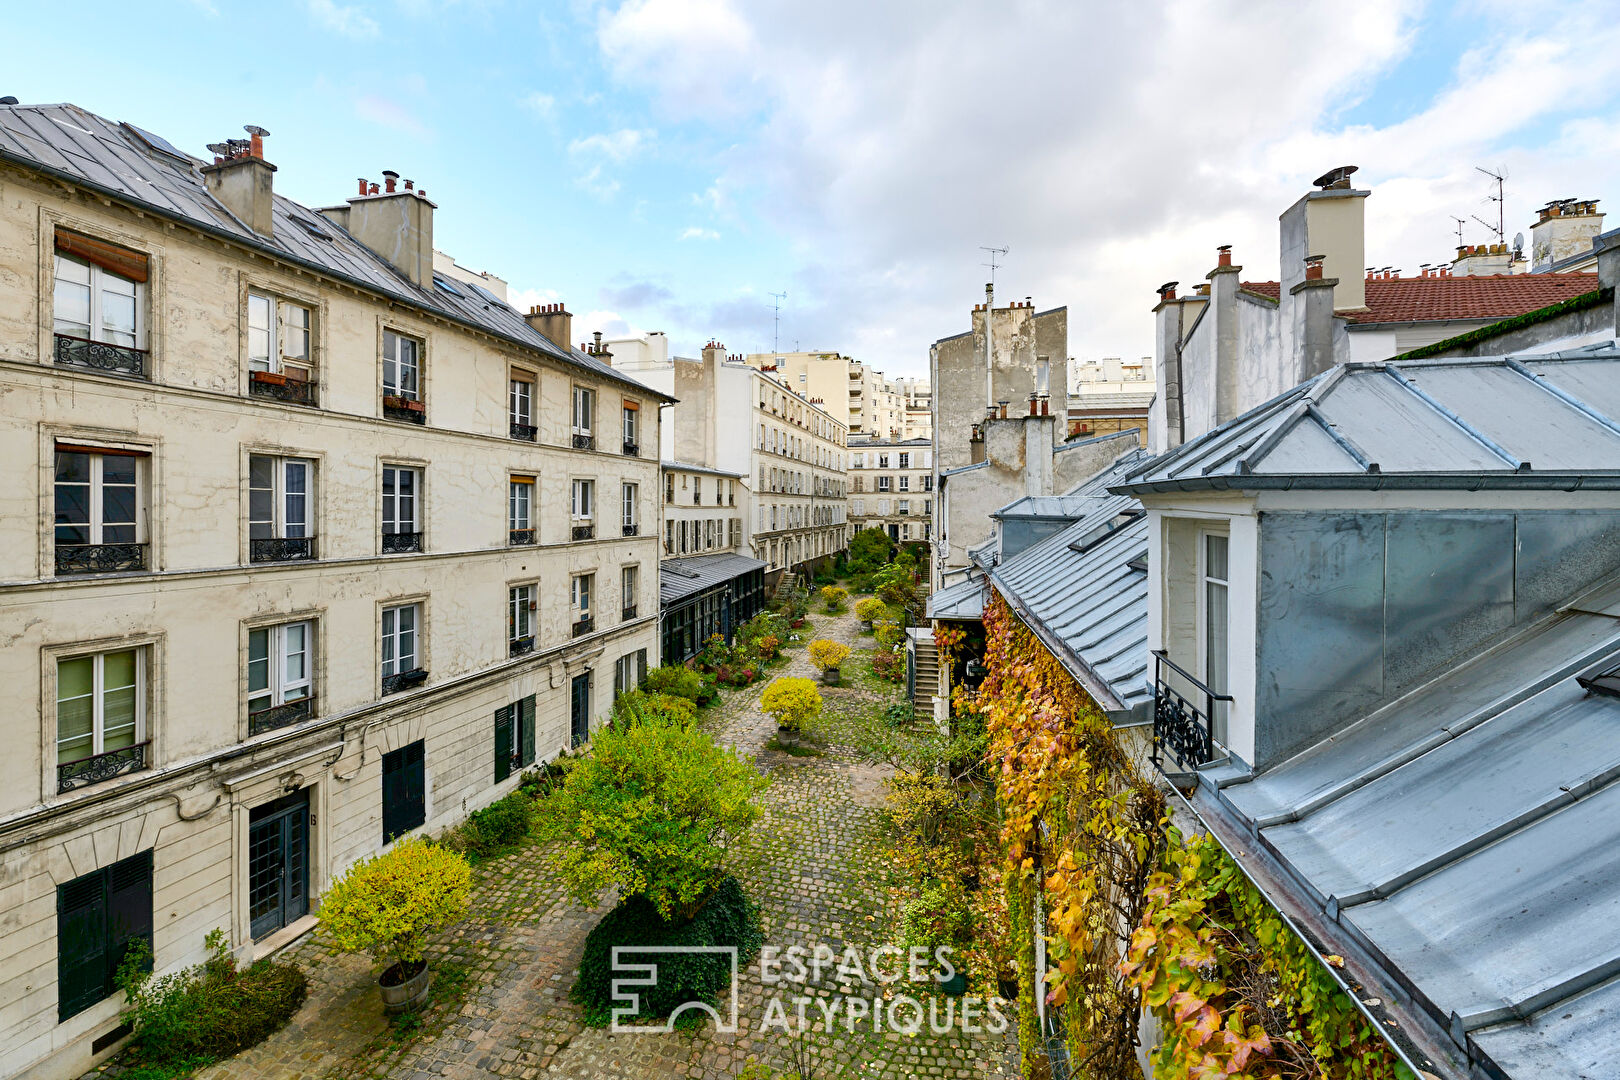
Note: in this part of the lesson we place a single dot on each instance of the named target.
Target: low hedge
(728, 918)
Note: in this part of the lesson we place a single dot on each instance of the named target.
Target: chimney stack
(1313, 319)
(1331, 222)
(552, 322)
(241, 180)
(1564, 228)
(397, 225)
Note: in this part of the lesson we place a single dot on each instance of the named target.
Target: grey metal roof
(1469, 835)
(966, 468)
(963, 600)
(680, 578)
(1080, 594)
(1520, 421)
(866, 440)
(687, 466)
(133, 165)
(1071, 505)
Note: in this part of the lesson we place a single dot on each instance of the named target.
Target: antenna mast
(1460, 223)
(992, 264)
(1500, 199)
(776, 321)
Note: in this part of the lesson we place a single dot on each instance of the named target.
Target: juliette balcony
(101, 356)
(519, 537)
(523, 432)
(280, 716)
(282, 549)
(396, 543)
(99, 767)
(99, 558)
(631, 528)
(584, 440)
(404, 680)
(628, 613)
(584, 626)
(1181, 727)
(277, 387)
(631, 449)
(586, 531)
(407, 410)
(520, 646)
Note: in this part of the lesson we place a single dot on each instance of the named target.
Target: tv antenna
(776, 320)
(1500, 199)
(1460, 223)
(992, 264)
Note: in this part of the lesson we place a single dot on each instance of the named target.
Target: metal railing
(278, 716)
(99, 558)
(101, 356)
(282, 549)
(519, 646)
(290, 391)
(519, 537)
(632, 528)
(628, 613)
(393, 684)
(584, 441)
(584, 532)
(411, 413)
(584, 626)
(99, 767)
(523, 432)
(631, 449)
(1179, 726)
(395, 543)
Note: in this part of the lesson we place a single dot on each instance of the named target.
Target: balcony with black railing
(404, 680)
(584, 530)
(519, 537)
(631, 449)
(397, 543)
(101, 356)
(99, 767)
(280, 716)
(282, 549)
(520, 646)
(584, 626)
(632, 528)
(523, 432)
(274, 387)
(1180, 726)
(404, 409)
(584, 440)
(99, 558)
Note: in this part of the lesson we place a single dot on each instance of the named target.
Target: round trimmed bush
(727, 918)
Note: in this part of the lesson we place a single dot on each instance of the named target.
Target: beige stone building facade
(856, 394)
(304, 549)
(704, 510)
(891, 487)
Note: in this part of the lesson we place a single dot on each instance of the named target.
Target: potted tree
(792, 701)
(827, 656)
(390, 904)
(869, 610)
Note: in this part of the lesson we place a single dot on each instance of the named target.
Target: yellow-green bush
(871, 609)
(792, 701)
(826, 654)
(388, 905)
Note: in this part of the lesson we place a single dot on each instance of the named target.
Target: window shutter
(503, 743)
(526, 730)
(118, 260)
(129, 908)
(403, 790)
(81, 944)
(416, 782)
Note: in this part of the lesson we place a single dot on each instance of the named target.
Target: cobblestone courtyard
(817, 867)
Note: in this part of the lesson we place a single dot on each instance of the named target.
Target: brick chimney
(1482, 260)
(240, 179)
(595, 348)
(396, 223)
(552, 322)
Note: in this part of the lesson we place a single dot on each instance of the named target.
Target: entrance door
(581, 710)
(278, 863)
(894, 533)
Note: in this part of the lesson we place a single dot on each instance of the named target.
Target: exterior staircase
(927, 684)
(786, 584)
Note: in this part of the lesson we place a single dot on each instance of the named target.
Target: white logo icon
(629, 1003)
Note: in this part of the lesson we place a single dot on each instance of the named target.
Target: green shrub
(871, 609)
(940, 914)
(499, 827)
(635, 706)
(390, 904)
(206, 1012)
(727, 918)
(676, 680)
(888, 633)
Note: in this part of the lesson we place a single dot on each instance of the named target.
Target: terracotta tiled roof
(1428, 299)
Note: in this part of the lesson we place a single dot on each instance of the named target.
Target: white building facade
(891, 487)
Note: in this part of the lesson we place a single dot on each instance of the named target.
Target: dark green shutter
(526, 730)
(98, 916)
(404, 790)
(503, 743)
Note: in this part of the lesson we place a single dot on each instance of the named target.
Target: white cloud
(524, 299)
(349, 21)
(542, 105)
(1112, 147)
(615, 145)
(391, 114)
(693, 232)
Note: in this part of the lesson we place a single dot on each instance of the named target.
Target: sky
(671, 164)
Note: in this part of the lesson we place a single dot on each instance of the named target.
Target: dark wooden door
(580, 712)
(278, 864)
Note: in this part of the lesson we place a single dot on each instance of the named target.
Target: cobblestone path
(815, 864)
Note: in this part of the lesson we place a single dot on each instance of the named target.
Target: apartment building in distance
(706, 584)
(306, 549)
(891, 487)
(853, 393)
(735, 418)
(1109, 395)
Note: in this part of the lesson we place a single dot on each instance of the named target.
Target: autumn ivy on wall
(1235, 991)
(1082, 832)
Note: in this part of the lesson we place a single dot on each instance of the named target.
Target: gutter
(1605, 480)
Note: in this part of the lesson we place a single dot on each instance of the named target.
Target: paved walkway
(815, 862)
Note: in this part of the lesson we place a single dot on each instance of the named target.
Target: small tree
(655, 810)
(826, 654)
(792, 701)
(388, 905)
(834, 598)
(868, 550)
(870, 609)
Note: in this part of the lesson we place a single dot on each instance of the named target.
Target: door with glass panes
(580, 711)
(278, 864)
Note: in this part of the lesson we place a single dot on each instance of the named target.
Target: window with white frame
(100, 704)
(520, 404)
(631, 495)
(708, 534)
(883, 483)
(905, 506)
(584, 410)
(669, 538)
(93, 302)
(401, 499)
(583, 505)
(99, 497)
(401, 639)
(279, 491)
(905, 461)
(279, 662)
(520, 603)
(402, 366)
(683, 533)
(581, 596)
(1213, 553)
(632, 413)
(905, 483)
(520, 510)
(630, 587)
(278, 336)
(883, 461)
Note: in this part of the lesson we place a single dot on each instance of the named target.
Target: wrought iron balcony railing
(1179, 726)
(99, 558)
(631, 449)
(519, 537)
(584, 626)
(632, 528)
(523, 432)
(584, 532)
(520, 646)
(628, 613)
(279, 388)
(393, 684)
(101, 356)
(584, 441)
(99, 767)
(408, 410)
(279, 716)
(282, 549)
(394, 543)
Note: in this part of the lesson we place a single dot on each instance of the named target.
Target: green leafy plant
(834, 598)
(791, 701)
(889, 665)
(390, 904)
(654, 811)
(497, 829)
(888, 633)
(676, 680)
(871, 609)
(825, 653)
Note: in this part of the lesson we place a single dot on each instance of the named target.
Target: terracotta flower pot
(405, 994)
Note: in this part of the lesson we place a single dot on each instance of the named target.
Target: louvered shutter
(503, 743)
(526, 731)
(81, 944)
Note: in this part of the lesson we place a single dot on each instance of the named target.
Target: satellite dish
(1518, 241)
(254, 129)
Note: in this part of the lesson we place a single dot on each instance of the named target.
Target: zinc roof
(680, 578)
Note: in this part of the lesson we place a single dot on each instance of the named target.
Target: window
(100, 717)
(669, 538)
(632, 413)
(584, 415)
(279, 683)
(99, 306)
(402, 366)
(697, 491)
(404, 790)
(883, 483)
(928, 506)
(520, 408)
(99, 509)
(520, 510)
(581, 599)
(905, 483)
(401, 647)
(514, 737)
(629, 671)
(278, 337)
(708, 534)
(630, 495)
(630, 587)
(584, 499)
(401, 516)
(278, 508)
(883, 461)
(1213, 551)
(905, 461)
(683, 537)
(669, 488)
(520, 605)
(883, 507)
(98, 917)
(905, 506)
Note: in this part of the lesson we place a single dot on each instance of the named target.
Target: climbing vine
(1236, 992)
(1082, 832)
